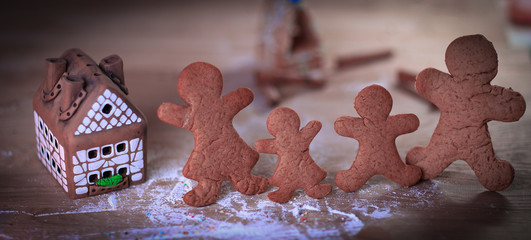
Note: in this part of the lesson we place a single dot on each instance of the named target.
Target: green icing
(111, 181)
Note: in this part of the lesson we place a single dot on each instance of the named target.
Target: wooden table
(156, 41)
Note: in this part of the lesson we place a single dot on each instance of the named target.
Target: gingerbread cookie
(219, 153)
(295, 168)
(376, 132)
(467, 102)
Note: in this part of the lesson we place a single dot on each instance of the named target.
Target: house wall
(124, 157)
(50, 151)
(121, 152)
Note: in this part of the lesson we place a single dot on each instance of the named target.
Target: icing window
(106, 151)
(121, 147)
(122, 171)
(93, 154)
(92, 178)
(106, 109)
(107, 174)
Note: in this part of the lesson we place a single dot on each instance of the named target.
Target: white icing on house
(109, 111)
(50, 151)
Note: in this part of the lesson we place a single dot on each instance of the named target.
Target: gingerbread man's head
(373, 103)
(199, 80)
(471, 55)
(283, 120)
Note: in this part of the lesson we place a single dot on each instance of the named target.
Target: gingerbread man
(219, 153)
(467, 102)
(376, 132)
(296, 168)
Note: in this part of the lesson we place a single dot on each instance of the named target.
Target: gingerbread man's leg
(282, 195)
(247, 183)
(493, 173)
(319, 190)
(432, 159)
(403, 174)
(243, 180)
(312, 186)
(354, 178)
(206, 192)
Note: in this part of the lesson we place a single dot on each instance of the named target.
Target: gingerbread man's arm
(311, 129)
(236, 100)
(403, 123)
(265, 146)
(502, 104)
(348, 126)
(176, 115)
(428, 83)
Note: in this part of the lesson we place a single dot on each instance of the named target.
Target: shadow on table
(445, 219)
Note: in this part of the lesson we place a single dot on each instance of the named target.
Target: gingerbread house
(289, 50)
(89, 134)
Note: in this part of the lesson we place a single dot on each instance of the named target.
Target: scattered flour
(237, 216)
(5, 153)
(352, 216)
(5, 236)
(112, 201)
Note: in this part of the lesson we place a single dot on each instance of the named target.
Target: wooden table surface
(158, 40)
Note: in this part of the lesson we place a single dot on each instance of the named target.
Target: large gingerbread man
(376, 132)
(219, 153)
(467, 102)
(296, 168)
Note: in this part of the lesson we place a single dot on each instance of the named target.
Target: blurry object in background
(406, 82)
(350, 61)
(519, 29)
(289, 50)
(290, 53)
(520, 12)
(88, 131)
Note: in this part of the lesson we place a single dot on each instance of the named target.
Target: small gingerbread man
(219, 153)
(467, 102)
(376, 132)
(296, 168)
